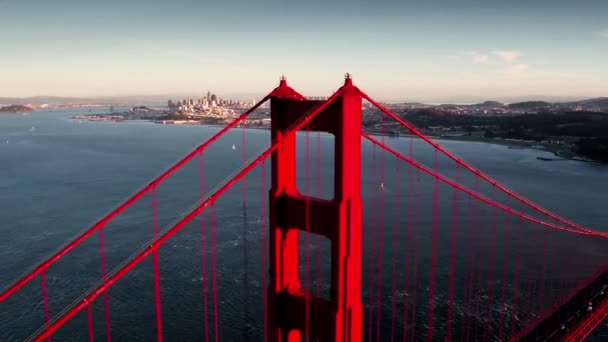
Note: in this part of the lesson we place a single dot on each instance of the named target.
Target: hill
(529, 105)
(489, 104)
(14, 109)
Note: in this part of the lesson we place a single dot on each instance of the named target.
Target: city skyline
(430, 51)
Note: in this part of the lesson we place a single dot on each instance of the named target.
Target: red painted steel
(291, 311)
(346, 252)
(340, 318)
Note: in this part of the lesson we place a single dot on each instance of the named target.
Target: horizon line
(170, 96)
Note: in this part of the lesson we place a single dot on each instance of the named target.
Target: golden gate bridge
(442, 252)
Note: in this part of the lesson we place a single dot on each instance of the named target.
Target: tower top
(348, 79)
(285, 91)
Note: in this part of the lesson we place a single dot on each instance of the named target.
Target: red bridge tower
(293, 311)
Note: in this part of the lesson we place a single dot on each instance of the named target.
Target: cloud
(505, 56)
(604, 34)
(508, 56)
(477, 57)
(516, 70)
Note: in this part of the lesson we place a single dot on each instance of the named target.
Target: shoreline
(515, 144)
(532, 145)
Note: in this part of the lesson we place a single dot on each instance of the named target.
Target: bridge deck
(572, 318)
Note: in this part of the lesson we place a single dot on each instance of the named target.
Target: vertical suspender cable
(264, 253)
(203, 248)
(159, 324)
(214, 273)
(380, 236)
(103, 278)
(452, 260)
(434, 236)
(45, 299)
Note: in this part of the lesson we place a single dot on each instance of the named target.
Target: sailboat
(233, 147)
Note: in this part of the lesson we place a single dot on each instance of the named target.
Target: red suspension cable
(137, 258)
(473, 170)
(115, 212)
(476, 195)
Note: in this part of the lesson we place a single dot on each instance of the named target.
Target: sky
(410, 50)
